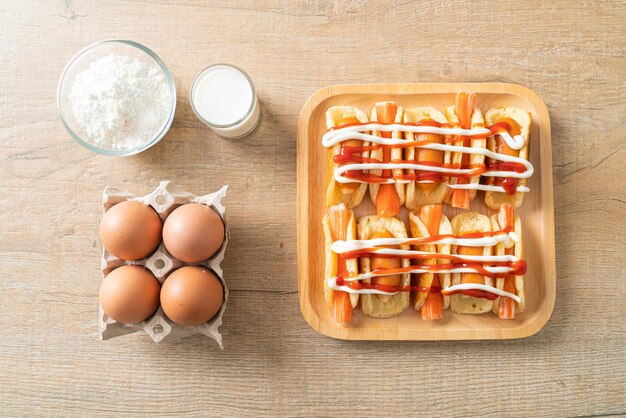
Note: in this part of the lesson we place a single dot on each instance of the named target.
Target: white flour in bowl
(120, 102)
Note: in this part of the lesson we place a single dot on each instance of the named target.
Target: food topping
(356, 168)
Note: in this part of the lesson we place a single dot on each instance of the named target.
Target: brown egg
(193, 232)
(191, 295)
(130, 230)
(130, 294)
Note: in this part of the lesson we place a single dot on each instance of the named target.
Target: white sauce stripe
(334, 137)
(468, 258)
(332, 283)
(487, 187)
(443, 147)
(341, 247)
(516, 142)
(476, 286)
(337, 135)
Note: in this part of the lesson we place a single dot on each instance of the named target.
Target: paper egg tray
(164, 200)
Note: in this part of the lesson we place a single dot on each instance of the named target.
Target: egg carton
(159, 327)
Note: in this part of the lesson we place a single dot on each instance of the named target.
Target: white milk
(223, 97)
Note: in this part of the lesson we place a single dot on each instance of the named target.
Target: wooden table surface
(51, 361)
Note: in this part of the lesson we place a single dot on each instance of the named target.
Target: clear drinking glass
(223, 97)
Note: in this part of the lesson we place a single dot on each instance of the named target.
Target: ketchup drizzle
(355, 285)
(517, 267)
(353, 154)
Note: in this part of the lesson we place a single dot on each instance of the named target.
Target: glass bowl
(81, 61)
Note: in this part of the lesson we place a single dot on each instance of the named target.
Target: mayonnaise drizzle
(341, 247)
(477, 286)
(332, 283)
(440, 147)
(516, 142)
(479, 258)
(487, 187)
(338, 135)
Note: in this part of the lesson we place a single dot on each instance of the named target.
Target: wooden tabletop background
(51, 361)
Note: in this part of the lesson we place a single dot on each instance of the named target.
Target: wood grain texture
(537, 214)
(51, 362)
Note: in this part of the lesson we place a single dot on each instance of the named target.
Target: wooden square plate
(537, 213)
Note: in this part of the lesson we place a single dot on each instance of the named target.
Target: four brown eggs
(192, 233)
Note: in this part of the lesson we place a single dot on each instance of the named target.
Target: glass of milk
(224, 99)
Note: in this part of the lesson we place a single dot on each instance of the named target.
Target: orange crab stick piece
(460, 198)
(431, 215)
(386, 113)
(432, 309)
(342, 307)
(464, 108)
(506, 215)
(387, 199)
(506, 309)
(351, 143)
(339, 217)
(433, 305)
